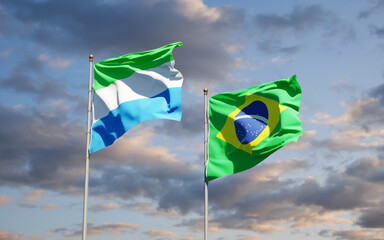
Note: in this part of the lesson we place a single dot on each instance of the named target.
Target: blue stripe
(166, 105)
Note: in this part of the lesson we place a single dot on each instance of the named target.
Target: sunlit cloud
(161, 233)
(32, 196)
(5, 200)
(51, 206)
(7, 235)
(105, 228)
(58, 64)
(197, 225)
(197, 10)
(353, 139)
(358, 234)
(248, 237)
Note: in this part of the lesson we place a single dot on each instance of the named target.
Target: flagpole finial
(91, 58)
(205, 90)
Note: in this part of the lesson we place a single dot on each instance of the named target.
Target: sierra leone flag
(131, 89)
(246, 126)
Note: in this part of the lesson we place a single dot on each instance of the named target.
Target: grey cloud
(287, 201)
(273, 45)
(125, 182)
(184, 195)
(324, 233)
(47, 151)
(368, 111)
(154, 162)
(192, 122)
(354, 189)
(291, 49)
(33, 80)
(265, 175)
(371, 10)
(34, 150)
(131, 26)
(367, 169)
(339, 193)
(185, 198)
(37, 148)
(249, 205)
(343, 86)
(334, 145)
(378, 92)
(267, 207)
(302, 18)
(377, 31)
(42, 86)
(372, 218)
(173, 185)
(33, 129)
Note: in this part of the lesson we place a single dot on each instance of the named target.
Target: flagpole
(87, 155)
(205, 165)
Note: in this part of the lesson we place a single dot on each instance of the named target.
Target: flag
(131, 89)
(246, 126)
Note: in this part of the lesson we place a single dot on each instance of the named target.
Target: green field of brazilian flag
(246, 126)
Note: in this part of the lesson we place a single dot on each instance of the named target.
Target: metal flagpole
(205, 165)
(87, 155)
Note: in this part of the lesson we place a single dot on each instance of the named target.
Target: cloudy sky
(149, 184)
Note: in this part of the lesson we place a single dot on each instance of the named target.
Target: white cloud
(278, 59)
(233, 48)
(243, 63)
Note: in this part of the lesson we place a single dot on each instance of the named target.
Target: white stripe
(142, 84)
(263, 119)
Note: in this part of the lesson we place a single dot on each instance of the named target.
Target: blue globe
(251, 121)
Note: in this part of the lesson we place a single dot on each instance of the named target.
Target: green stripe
(108, 71)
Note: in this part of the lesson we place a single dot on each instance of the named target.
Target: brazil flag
(248, 125)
